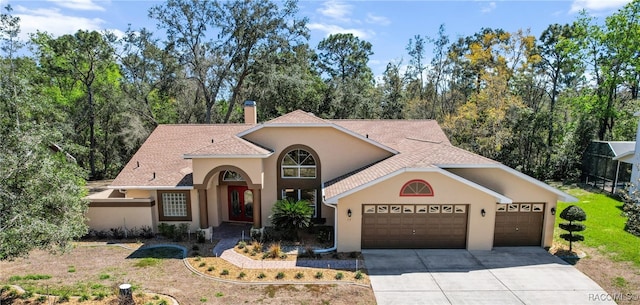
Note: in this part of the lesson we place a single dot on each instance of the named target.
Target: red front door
(240, 203)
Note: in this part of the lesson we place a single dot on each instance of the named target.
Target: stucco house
(380, 183)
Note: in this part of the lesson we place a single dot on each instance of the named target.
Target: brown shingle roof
(417, 154)
(163, 154)
(420, 143)
(232, 146)
(297, 117)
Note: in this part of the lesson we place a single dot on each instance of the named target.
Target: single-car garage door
(518, 224)
(410, 226)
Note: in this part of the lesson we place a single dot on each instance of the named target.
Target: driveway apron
(510, 275)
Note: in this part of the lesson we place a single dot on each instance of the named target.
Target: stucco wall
(105, 218)
(339, 153)
(251, 166)
(518, 189)
(446, 191)
(137, 194)
(194, 224)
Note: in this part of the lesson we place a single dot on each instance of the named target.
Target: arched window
(416, 188)
(298, 163)
(231, 176)
(299, 177)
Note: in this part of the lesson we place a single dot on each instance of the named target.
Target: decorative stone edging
(283, 282)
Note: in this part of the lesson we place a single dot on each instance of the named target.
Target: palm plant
(289, 216)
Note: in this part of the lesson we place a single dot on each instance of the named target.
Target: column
(204, 212)
(257, 208)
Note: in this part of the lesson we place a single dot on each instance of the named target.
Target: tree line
(532, 103)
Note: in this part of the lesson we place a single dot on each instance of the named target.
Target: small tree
(289, 216)
(572, 213)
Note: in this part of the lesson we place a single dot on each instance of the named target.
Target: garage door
(519, 224)
(406, 226)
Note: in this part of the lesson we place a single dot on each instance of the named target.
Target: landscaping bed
(220, 268)
(100, 264)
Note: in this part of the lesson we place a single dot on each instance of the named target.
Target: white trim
(623, 155)
(499, 197)
(213, 156)
(562, 196)
(337, 127)
(151, 188)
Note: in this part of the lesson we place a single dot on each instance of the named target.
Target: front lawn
(605, 226)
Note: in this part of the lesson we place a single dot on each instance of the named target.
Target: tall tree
(344, 57)
(83, 70)
(559, 64)
(393, 98)
(244, 30)
(41, 191)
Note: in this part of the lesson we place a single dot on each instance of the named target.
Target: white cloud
(596, 5)
(381, 20)
(329, 29)
(488, 8)
(53, 22)
(81, 5)
(336, 10)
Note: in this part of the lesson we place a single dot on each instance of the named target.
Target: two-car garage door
(409, 226)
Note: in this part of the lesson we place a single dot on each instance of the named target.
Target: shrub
(632, 211)
(211, 268)
(242, 275)
(146, 232)
(242, 244)
(224, 272)
(275, 250)
(319, 275)
(572, 213)
(256, 246)
(118, 233)
(195, 248)
(339, 276)
(289, 216)
(358, 275)
(299, 275)
(202, 264)
(200, 238)
(83, 297)
(167, 230)
(181, 231)
(262, 275)
(280, 275)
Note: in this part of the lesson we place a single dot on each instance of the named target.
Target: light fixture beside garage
(348, 212)
(483, 212)
(553, 211)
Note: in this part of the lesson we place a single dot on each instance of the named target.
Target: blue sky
(388, 25)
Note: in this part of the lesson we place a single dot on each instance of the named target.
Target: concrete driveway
(518, 275)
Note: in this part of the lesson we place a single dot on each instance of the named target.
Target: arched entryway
(236, 191)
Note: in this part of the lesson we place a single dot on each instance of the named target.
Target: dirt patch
(90, 263)
(621, 280)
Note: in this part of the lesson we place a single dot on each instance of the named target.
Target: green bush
(572, 214)
(358, 275)
(632, 211)
(339, 276)
(289, 216)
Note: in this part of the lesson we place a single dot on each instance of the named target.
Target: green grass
(605, 226)
(147, 262)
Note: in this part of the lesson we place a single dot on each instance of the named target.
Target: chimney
(250, 113)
